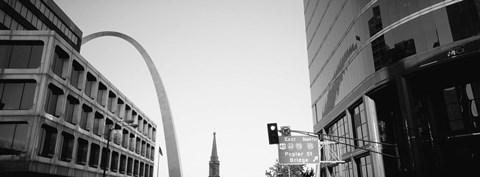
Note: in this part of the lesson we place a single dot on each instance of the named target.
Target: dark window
(96, 123)
(360, 124)
(82, 151)
(135, 168)
(129, 166)
(76, 74)
(144, 146)
(147, 153)
(13, 137)
(89, 85)
(59, 59)
(132, 142)
(94, 155)
(125, 139)
(16, 94)
(107, 130)
(145, 127)
(341, 131)
(140, 124)
(53, 97)
(152, 153)
(134, 117)
(141, 169)
(123, 163)
(461, 106)
(86, 110)
(117, 134)
(114, 163)
(72, 103)
(139, 146)
(105, 158)
(334, 170)
(364, 166)
(348, 169)
(48, 141)
(151, 171)
(154, 134)
(149, 131)
(146, 170)
(67, 147)
(20, 54)
(383, 54)
(102, 90)
(112, 102)
(128, 112)
(464, 19)
(120, 112)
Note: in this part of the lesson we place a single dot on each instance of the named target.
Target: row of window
(27, 54)
(351, 133)
(90, 154)
(364, 168)
(8, 22)
(101, 124)
(35, 21)
(345, 129)
(19, 94)
(98, 91)
(341, 36)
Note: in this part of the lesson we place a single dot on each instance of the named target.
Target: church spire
(214, 163)
(214, 156)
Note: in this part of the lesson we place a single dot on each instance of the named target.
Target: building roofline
(59, 12)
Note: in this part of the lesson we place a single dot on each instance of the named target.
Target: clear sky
(229, 66)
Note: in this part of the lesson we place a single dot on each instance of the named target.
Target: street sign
(297, 150)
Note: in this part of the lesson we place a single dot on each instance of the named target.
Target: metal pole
(108, 150)
(158, 160)
(288, 170)
(320, 136)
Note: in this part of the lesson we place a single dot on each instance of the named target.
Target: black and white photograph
(224, 88)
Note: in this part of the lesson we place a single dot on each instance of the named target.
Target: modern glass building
(399, 72)
(57, 112)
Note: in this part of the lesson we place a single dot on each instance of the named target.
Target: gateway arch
(174, 167)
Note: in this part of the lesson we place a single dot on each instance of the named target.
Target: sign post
(298, 150)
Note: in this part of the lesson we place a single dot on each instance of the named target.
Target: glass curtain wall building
(400, 72)
(56, 110)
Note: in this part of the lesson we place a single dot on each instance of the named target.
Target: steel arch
(174, 165)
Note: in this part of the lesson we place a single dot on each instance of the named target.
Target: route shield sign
(297, 150)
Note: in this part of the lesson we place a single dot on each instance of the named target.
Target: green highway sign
(297, 150)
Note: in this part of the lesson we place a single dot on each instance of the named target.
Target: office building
(57, 112)
(398, 72)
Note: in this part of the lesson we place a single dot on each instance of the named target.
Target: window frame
(48, 141)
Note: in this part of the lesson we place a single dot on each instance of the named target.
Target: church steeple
(214, 163)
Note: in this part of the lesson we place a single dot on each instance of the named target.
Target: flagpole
(158, 160)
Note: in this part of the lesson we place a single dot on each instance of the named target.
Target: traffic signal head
(272, 130)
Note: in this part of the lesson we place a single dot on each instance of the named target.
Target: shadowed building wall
(396, 72)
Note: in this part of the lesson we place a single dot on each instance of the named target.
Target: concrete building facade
(398, 72)
(57, 112)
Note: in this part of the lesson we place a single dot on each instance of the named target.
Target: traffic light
(272, 133)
